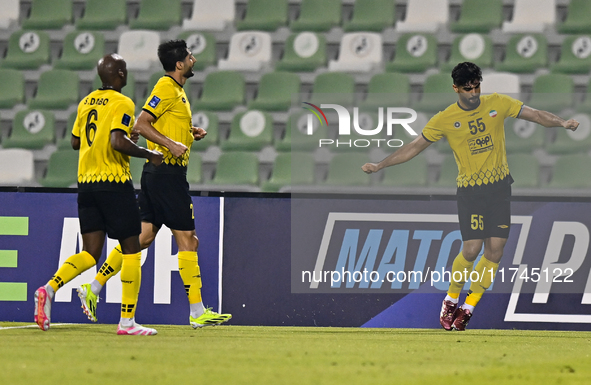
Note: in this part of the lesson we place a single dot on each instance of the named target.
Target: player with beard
(166, 122)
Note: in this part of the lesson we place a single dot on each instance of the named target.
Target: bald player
(106, 197)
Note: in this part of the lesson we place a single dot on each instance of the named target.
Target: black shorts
(165, 199)
(114, 212)
(486, 214)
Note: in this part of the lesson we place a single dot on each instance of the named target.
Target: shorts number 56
(476, 222)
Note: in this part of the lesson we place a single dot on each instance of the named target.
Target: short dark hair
(465, 73)
(172, 52)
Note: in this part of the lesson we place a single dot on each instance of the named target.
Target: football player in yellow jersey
(166, 123)
(475, 131)
(106, 197)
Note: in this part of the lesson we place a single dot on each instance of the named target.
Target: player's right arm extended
(402, 155)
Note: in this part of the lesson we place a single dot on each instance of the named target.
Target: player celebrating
(166, 123)
(474, 128)
(106, 197)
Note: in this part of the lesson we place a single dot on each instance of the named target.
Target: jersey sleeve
(123, 117)
(432, 131)
(76, 127)
(160, 100)
(512, 107)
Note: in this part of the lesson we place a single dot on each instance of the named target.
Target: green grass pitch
(94, 354)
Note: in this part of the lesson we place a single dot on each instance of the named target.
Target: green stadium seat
(524, 53)
(264, 15)
(333, 87)
(62, 169)
(202, 46)
(553, 92)
(49, 14)
(237, 168)
(575, 55)
(371, 15)
(13, 88)
(278, 91)
(82, 51)
(209, 122)
(479, 16)
(414, 53)
(304, 52)
(317, 16)
(136, 166)
(290, 169)
(585, 105)
(222, 90)
(194, 174)
(577, 18)
(103, 14)
(389, 89)
(65, 142)
(56, 89)
(413, 173)
(27, 50)
(128, 90)
(438, 93)
(448, 173)
(157, 15)
(525, 170)
(296, 138)
(472, 47)
(570, 142)
(344, 169)
(31, 129)
(571, 171)
(249, 131)
(522, 136)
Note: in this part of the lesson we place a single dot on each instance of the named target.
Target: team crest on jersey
(493, 113)
(154, 101)
(126, 120)
(183, 99)
(457, 124)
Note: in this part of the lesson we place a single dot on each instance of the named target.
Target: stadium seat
(202, 46)
(10, 13)
(249, 51)
(31, 129)
(389, 89)
(194, 175)
(585, 105)
(571, 171)
(27, 50)
(575, 55)
(524, 53)
(472, 47)
(13, 87)
(531, 16)
(209, 122)
(236, 168)
(438, 93)
(344, 169)
(65, 142)
(479, 16)
(304, 52)
(296, 137)
(359, 52)
(448, 173)
(290, 169)
(62, 169)
(157, 15)
(128, 90)
(49, 14)
(222, 90)
(552, 92)
(414, 53)
(317, 16)
(569, 142)
(136, 166)
(424, 16)
(577, 18)
(264, 15)
(17, 167)
(139, 48)
(82, 50)
(249, 131)
(333, 87)
(210, 15)
(413, 173)
(525, 170)
(56, 89)
(523, 136)
(103, 14)
(501, 82)
(354, 141)
(278, 91)
(371, 15)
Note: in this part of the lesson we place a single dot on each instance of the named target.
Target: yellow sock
(486, 271)
(131, 278)
(71, 268)
(460, 265)
(191, 275)
(111, 266)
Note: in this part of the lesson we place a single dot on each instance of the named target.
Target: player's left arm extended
(547, 119)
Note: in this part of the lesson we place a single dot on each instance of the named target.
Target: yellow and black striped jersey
(169, 104)
(476, 137)
(99, 113)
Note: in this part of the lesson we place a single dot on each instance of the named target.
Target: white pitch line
(32, 326)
